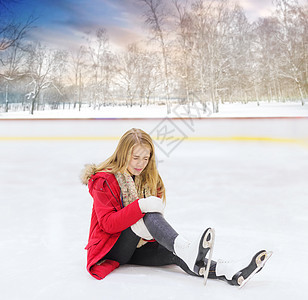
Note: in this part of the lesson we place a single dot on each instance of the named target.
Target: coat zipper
(121, 205)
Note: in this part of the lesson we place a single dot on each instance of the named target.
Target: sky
(65, 23)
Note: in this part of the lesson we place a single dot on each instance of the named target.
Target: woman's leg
(192, 253)
(161, 230)
(154, 254)
(124, 248)
(151, 254)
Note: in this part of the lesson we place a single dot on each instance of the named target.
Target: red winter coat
(109, 219)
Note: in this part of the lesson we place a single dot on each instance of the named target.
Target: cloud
(256, 8)
(65, 39)
(122, 20)
(260, 8)
(64, 6)
(121, 37)
(85, 16)
(65, 22)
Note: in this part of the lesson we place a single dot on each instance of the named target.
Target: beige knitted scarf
(128, 188)
(129, 192)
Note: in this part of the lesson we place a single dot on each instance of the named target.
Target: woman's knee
(152, 217)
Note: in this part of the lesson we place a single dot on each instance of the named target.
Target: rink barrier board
(151, 119)
(301, 142)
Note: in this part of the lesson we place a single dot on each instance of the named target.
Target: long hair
(118, 163)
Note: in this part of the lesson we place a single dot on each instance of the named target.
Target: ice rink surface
(252, 191)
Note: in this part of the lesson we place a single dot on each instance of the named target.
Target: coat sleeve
(110, 217)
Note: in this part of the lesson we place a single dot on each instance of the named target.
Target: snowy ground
(265, 109)
(252, 191)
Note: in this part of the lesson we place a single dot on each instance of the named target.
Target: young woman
(128, 225)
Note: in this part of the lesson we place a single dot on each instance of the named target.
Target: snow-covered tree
(156, 14)
(292, 38)
(42, 65)
(100, 66)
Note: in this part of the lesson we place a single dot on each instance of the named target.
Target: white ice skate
(240, 272)
(195, 253)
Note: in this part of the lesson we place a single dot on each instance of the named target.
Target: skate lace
(225, 261)
(227, 267)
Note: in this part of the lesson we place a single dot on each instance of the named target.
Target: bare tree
(99, 54)
(150, 75)
(266, 54)
(156, 13)
(12, 68)
(185, 42)
(291, 37)
(42, 65)
(240, 69)
(59, 74)
(13, 32)
(77, 66)
(129, 70)
(211, 27)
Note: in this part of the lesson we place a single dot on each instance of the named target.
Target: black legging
(158, 253)
(125, 251)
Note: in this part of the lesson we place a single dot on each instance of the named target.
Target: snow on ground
(253, 192)
(265, 109)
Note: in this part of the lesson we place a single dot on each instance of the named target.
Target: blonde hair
(118, 163)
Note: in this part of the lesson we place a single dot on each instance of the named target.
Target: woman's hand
(151, 204)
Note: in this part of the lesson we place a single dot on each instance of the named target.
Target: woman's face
(139, 159)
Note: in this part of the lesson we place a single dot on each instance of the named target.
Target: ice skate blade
(260, 264)
(208, 242)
